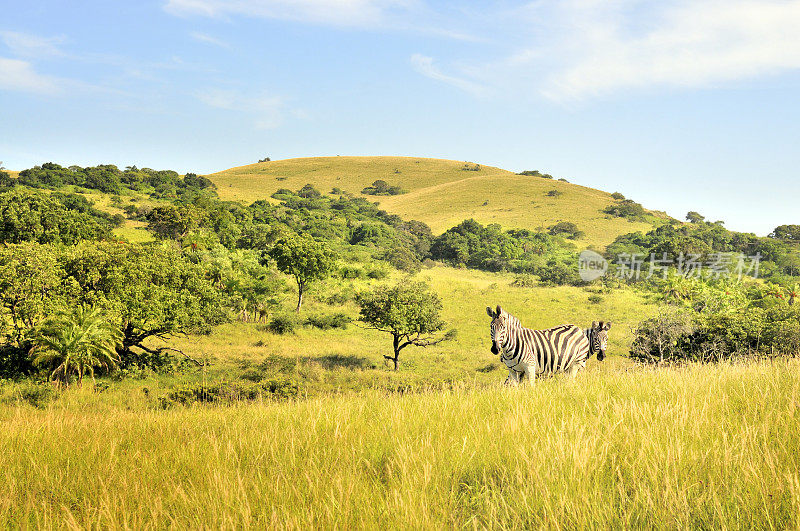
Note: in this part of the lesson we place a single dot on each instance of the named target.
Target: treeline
(109, 179)
(779, 260)
(35, 216)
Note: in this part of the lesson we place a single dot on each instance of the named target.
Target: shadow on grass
(285, 364)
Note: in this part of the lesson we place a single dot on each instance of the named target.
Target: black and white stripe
(597, 336)
(529, 352)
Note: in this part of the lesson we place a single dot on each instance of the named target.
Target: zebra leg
(513, 378)
(575, 369)
(530, 373)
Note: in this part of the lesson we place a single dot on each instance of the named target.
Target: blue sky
(681, 105)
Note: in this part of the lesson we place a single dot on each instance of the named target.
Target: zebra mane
(511, 321)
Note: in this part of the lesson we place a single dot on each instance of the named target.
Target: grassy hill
(440, 192)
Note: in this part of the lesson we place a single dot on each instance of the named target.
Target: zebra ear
(594, 324)
(608, 325)
(499, 310)
(490, 312)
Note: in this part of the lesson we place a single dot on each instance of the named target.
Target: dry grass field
(692, 447)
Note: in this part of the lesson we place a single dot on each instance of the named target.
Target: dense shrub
(283, 324)
(330, 321)
(716, 321)
(381, 187)
(566, 228)
(230, 392)
(627, 209)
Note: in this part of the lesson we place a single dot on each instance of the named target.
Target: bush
(283, 324)
(554, 193)
(351, 272)
(618, 196)
(567, 228)
(659, 338)
(37, 394)
(327, 322)
(377, 273)
(381, 187)
(227, 393)
(595, 299)
(525, 281)
(627, 209)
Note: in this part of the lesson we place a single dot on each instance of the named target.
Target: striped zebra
(529, 352)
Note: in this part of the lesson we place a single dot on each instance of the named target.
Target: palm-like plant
(794, 293)
(76, 343)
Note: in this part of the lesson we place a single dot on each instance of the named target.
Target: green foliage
(789, 233)
(626, 208)
(76, 343)
(147, 290)
(283, 324)
(37, 394)
(489, 248)
(107, 178)
(694, 217)
(27, 215)
(172, 221)
(409, 311)
(721, 320)
(337, 320)
(381, 187)
(5, 180)
(566, 228)
(231, 392)
(309, 192)
(303, 258)
(618, 196)
(554, 193)
(32, 285)
(708, 240)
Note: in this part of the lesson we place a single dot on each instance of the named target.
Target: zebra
(529, 352)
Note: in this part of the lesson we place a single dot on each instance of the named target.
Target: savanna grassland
(441, 193)
(250, 426)
(698, 446)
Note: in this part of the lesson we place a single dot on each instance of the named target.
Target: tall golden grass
(690, 447)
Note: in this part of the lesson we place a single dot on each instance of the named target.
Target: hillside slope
(440, 192)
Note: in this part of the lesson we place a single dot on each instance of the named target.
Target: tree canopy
(410, 312)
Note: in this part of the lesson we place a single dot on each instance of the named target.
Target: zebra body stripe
(534, 352)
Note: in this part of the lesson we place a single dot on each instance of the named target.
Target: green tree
(694, 217)
(32, 215)
(786, 232)
(76, 343)
(149, 291)
(305, 259)
(32, 285)
(407, 311)
(172, 221)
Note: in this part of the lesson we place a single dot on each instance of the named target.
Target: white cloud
(598, 48)
(27, 45)
(424, 65)
(17, 75)
(202, 37)
(334, 12)
(267, 110)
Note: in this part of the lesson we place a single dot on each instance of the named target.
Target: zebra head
(598, 339)
(498, 328)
